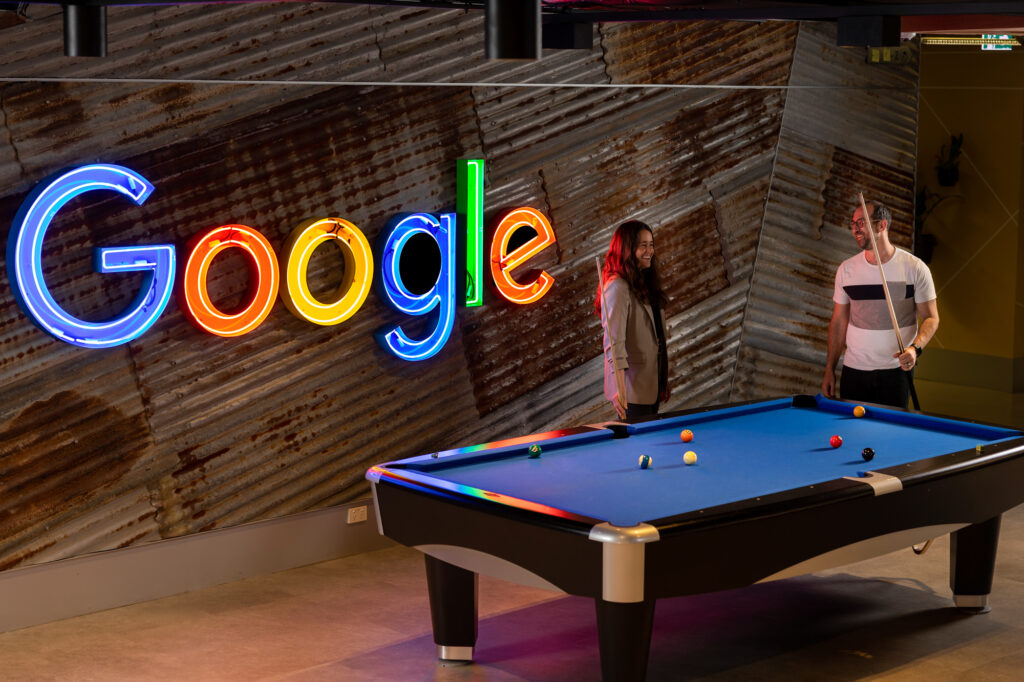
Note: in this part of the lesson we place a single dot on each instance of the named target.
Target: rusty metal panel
(287, 419)
(308, 41)
(841, 99)
(740, 200)
(259, 42)
(63, 122)
(83, 449)
(427, 46)
(790, 302)
(590, 179)
(700, 52)
(852, 173)
(606, 156)
(221, 63)
(812, 195)
(703, 344)
(761, 374)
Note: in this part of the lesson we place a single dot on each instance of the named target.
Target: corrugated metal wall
(180, 431)
(848, 128)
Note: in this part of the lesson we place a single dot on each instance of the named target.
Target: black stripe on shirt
(873, 292)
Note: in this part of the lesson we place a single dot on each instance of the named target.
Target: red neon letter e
(502, 263)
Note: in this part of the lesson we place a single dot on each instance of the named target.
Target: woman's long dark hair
(621, 262)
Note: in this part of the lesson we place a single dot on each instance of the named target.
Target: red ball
(835, 441)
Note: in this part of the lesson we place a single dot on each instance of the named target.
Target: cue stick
(918, 549)
(619, 384)
(878, 262)
(888, 296)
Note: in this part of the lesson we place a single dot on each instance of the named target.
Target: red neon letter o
(264, 276)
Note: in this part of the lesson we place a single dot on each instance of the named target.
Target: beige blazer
(630, 336)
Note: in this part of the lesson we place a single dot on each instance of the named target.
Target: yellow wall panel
(976, 261)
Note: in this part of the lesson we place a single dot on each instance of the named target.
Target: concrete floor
(366, 617)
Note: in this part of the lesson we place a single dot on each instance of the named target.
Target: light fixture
(868, 31)
(512, 29)
(85, 31)
(1008, 41)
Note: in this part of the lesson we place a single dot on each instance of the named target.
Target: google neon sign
(266, 267)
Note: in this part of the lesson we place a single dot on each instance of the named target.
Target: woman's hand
(620, 406)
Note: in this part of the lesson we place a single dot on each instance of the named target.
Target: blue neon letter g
(440, 299)
(25, 254)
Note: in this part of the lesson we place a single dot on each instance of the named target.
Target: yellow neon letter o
(355, 285)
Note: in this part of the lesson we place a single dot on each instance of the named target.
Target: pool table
(767, 498)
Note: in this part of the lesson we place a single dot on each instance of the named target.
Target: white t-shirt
(870, 341)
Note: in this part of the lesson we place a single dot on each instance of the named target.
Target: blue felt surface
(743, 452)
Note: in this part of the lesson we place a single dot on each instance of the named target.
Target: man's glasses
(859, 224)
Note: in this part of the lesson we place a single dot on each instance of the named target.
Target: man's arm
(928, 314)
(836, 344)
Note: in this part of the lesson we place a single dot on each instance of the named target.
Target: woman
(634, 327)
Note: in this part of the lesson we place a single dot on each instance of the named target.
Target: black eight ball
(868, 454)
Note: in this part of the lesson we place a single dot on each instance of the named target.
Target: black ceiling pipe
(568, 36)
(85, 31)
(513, 29)
(876, 31)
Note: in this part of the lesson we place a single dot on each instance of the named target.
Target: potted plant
(948, 164)
(926, 202)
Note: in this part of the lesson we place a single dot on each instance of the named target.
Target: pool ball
(645, 461)
(868, 454)
(835, 441)
(859, 411)
(534, 451)
(690, 457)
(686, 435)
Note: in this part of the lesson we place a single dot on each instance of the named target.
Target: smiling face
(644, 249)
(859, 227)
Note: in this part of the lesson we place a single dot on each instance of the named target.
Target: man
(873, 368)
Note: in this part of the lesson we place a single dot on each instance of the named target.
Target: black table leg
(972, 563)
(624, 633)
(453, 613)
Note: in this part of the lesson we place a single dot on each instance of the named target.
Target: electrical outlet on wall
(357, 514)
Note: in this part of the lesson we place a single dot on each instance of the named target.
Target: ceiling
(861, 22)
(994, 11)
(620, 10)
(918, 16)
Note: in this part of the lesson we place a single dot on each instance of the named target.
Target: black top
(659, 329)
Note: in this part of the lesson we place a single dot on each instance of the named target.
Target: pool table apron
(845, 520)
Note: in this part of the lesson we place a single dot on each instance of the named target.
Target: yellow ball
(645, 461)
(859, 411)
(686, 435)
(690, 457)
